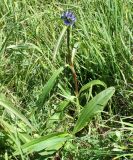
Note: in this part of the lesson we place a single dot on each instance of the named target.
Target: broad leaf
(47, 88)
(94, 106)
(49, 142)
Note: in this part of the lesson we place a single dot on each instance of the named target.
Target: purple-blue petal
(68, 17)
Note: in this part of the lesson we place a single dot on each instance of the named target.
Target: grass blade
(9, 106)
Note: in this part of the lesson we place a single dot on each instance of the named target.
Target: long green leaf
(44, 143)
(92, 83)
(4, 102)
(59, 42)
(47, 88)
(95, 105)
(24, 46)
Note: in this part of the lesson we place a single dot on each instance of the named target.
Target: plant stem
(68, 45)
(71, 63)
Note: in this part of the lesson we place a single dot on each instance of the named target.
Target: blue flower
(69, 18)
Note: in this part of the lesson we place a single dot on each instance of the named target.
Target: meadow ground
(41, 117)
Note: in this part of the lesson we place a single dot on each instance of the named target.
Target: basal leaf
(94, 106)
(44, 143)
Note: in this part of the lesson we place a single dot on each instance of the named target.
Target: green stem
(71, 62)
(68, 45)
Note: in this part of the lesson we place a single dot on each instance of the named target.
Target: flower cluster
(69, 18)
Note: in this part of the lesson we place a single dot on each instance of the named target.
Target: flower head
(69, 18)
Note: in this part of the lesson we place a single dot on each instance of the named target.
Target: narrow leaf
(11, 129)
(94, 106)
(24, 46)
(92, 83)
(59, 42)
(47, 88)
(4, 102)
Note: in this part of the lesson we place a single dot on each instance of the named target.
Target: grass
(38, 107)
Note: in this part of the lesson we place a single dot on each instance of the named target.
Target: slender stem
(75, 78)
(68, 45)
(71, 63)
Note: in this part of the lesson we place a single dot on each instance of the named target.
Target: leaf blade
(59, 42)
(9, 106)
(44, 142)
(94, 106)
(92, 83)
(47, 88)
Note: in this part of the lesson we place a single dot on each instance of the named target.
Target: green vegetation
(42, 115)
